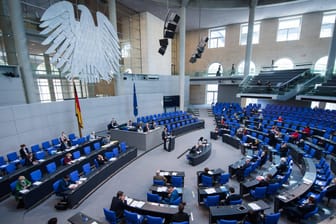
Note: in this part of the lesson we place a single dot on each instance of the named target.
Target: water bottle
(84, 218)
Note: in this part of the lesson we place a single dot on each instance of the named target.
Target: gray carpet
(135, 180)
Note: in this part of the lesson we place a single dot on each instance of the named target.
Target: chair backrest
(273, 188)
(40, 155)
(96, 163)
(154, 220)
(56, 186)
(115, 152)
(153, 197)
(158, 182)
(177, 201)
(206, 181)
(224, 178)
(212, 200)
(13, 186)
(51, 167)
(87, 150)
(110, 216)
(131, 217)
(236, 202)
(10, 168)
(272, 218)
(223, 221)
(177, 181)
(72, 136)
(86, 168)
(36, 175)
(310, 214)
(12, 156)
(55, 141)
(76, 154)
(46, 145)
(74, 176)
(260, 192)
(35, 148)
(123, 146)
(108, 155)
(96, 145)
(2, 161)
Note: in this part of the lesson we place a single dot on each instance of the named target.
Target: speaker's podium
(171, 143)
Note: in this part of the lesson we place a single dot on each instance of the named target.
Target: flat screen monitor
(171, 101)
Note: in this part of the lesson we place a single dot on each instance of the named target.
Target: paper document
(254, 206)
(210, 190)
(24, 191)
(129, 200)
(83, 179)
(162, 189)
(174, 173)
(113, 159)
(37, 183)
(137, 204)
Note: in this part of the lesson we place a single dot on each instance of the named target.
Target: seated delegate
(21, 184)
(232, 196)
(159, 177)
(23, 151)
(67, 159)
(66, 185)
(119, 204)
(295, 213)
(172, 195)
(181, 216)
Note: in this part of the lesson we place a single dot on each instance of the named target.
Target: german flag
(77, 108)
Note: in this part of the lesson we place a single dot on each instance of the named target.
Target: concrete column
(248, 52)
(332, 54)
(22, 50)
(7, 34)
(113, 19)
(49, 74)
(182, 54)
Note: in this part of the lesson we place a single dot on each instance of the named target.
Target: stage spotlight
(171, 26)
(169, 34)
(162, 50)
(176, 18)
(163, 42)
(192, 59)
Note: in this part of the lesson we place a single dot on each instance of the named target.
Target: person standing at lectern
(164, 136)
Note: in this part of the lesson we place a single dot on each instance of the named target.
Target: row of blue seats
(38, 151)
(156, 117)
(171, 127)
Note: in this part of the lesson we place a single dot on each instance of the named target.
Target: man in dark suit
(297, 212)
(119, 204)
(146, 128)
(164, 136)
(331, 190)
(232, 196)
(24, 151)
(181, 216)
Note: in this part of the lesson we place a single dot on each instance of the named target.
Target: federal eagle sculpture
(80, 48)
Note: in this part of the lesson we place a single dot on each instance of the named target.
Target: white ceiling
(213, 13)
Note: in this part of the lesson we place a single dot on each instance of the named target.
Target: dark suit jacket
(118, 206)
(164, 135)
(331, 191)
(24, 152)
(180, 217)
(173, 196)
(306, 208)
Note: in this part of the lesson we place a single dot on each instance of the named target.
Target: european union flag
(135, 102)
